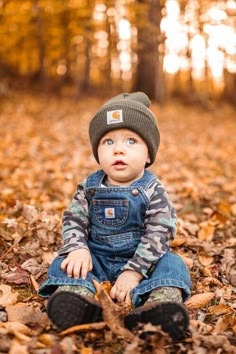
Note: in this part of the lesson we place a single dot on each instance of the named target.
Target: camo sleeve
(75, 223)
(160, 226)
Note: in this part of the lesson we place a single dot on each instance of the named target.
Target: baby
(118, 228)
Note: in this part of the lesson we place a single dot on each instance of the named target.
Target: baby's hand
(126, 281)
(78, 263)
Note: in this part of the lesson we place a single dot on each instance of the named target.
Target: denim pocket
(111, 212)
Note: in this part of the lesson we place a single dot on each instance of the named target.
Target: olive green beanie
(127, 111)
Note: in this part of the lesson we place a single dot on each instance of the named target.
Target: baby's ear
(148, 159)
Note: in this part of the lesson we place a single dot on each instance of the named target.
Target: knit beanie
(128, 111)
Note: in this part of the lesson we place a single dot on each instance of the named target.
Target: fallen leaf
(222, 324)
(113, 314)
(205, 260)
(201, 326)
(18, 276)
(232, 275)
(178, 241)
(27, 314)
(220, 309)
(14, 327)
(18, 348)
(212, 281)
(47, 339)
(206, 232)
(84, 327)
(34, 283)
(233, 209)
(106, 286)
(32, 266)
(199, 300)
(7, 297)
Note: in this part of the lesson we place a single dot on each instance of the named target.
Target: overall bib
(116, 226)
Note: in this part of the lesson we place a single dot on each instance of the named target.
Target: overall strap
(94, 179)
(145, 180)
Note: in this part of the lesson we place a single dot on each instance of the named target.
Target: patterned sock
(78, 289)
(165, 294)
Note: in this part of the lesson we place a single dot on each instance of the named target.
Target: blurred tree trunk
(150, 78)
(37, 11)
(83, 54)
(230, 87)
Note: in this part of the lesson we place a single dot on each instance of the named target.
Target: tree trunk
(150, 77)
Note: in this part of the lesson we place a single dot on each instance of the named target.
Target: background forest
(165, 48)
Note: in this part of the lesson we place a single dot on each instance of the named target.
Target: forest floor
(44, 153)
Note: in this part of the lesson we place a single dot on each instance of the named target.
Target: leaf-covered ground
(44, 152)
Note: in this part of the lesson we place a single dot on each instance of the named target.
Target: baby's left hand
(126, 281)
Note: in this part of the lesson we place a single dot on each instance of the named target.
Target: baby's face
(122, 155)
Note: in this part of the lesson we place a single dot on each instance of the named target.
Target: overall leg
(73, 301)
(158, 298)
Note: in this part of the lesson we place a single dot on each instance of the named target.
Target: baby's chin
(123, 181)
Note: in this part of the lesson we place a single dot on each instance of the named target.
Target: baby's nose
(118, 148)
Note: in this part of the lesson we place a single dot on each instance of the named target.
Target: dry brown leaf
(113, 314)
(218, 219)
(233, 209)
(14, 327)
(25, 313)
(223, 324)
(18, 348)
(205, 260)
(34, 283)
(22, 338)
(207, 272)
(206, 232)
(224, 208)
(220, 309)
(68, 346)
(106, 285)
(47, 339)
(201, 326)
(234, 326)
(227, 291)
(178, 241)
(212, 281)
(86, 350)
(48, 257)
(7, 297)
(199, 301)
(84, 328)
(232, 275)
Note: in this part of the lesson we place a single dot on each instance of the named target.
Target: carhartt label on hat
(115, 116)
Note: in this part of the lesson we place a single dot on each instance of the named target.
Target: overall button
(135, 192)
(92, 192)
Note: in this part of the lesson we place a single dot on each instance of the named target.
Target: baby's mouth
(119, 163)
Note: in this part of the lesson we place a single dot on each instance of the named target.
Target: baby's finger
(128, 299)
(85, 268)
(121, 296)
(64, 264)
(113, 292)
(70, 269)
(77, 270)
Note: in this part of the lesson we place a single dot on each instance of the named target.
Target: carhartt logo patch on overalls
(115, 116)
(110, 213)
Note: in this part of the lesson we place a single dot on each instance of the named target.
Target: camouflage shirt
(160, 228)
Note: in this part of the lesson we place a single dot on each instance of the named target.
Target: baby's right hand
(78, 263)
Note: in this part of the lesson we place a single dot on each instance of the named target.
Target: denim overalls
(116, 226)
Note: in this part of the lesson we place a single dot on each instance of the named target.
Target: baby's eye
(108, 142)
(131, 141)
